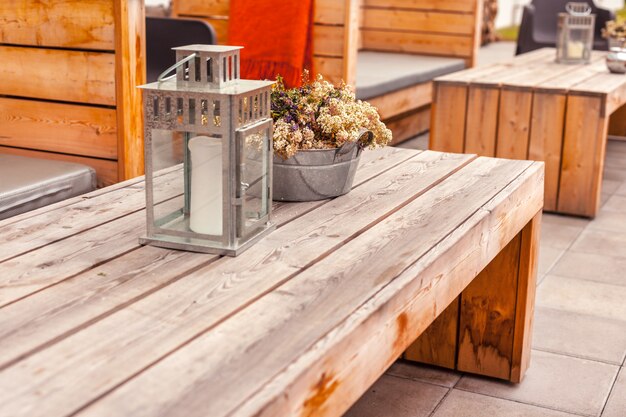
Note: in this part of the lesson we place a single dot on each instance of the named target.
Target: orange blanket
(277, 36)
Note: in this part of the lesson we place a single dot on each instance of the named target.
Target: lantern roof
(238, 88)
(219, 49)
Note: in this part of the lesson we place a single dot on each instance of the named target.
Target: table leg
(487, 330)
(584, 146)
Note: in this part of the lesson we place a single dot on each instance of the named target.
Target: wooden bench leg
(487, 330)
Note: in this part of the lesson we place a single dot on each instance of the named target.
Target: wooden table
(533, 108)
(92, 324)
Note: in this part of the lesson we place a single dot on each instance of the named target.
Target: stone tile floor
(578, 365)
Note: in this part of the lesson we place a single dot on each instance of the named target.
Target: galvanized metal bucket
(313, 175)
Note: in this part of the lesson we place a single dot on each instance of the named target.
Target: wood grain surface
(93, 324)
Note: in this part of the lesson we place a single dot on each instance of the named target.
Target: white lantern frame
(207, 99)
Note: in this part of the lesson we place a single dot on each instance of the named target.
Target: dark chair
(539, 25)
(163, 34)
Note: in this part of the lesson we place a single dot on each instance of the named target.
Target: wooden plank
(351, 40)
(106, 170)
(418, 43)
(546, 140)
(487, 316)
(441, 5)
(514, 124)
(329, 40)
(330, 68)
(402, 101)
(437, 345)
(65, 128)
(449, 112)
(329, 228)
(84, 77)
(525, 304)
(323, 372)
(143, 270)
(482, 121)
(617, 122)
(407, 20)
(584, 148)
(329, 12)
(409, 125)
(201, 7)
(130, 72)
(120, 214)
(85, 24)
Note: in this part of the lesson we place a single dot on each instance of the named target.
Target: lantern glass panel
(189, 203)
(253, 151)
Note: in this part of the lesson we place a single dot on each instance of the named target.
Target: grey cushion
(30, 183)
(380, 73)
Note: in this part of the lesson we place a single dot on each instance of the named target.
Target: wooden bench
(92, 324)
(343, 28)
(533, 108)
(67, 83)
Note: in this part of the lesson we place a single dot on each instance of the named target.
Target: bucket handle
(366, 138)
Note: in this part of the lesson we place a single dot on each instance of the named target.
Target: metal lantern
(575, 34)
(208, 137)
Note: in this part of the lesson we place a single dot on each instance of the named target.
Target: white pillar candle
(206, 185)
(575, 49)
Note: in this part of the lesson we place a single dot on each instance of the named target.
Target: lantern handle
(163, 77)
(578, 9)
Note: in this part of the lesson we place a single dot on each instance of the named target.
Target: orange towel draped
(277, 36)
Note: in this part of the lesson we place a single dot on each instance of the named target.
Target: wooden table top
(93, 324)
(539, 71)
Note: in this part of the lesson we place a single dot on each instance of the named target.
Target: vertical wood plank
(487, 317)
(477, 31)
(449, 113)
(482, 121)
(525, 305)
(514, 124)
(546, 140)
(584, 146)
(351, 40)
(437, 345)
(130, 71)
(617, 123)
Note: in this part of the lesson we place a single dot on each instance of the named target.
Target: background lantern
(210, 134)
(575, 34)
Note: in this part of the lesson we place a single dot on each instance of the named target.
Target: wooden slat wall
(67, 83)
(431, 27)
(334, 39)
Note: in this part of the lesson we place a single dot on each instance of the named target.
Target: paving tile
(614, 174)
(581, 335)
(591, 266)
(553, 381)
(547, 258)
(558, 236)
(621, 189)
(468, 404)
(398, 397)
(603, 242)
(582, 296)
(616, 406)
(614, 221)
(616, 203)
(610, 186)
(424, 373)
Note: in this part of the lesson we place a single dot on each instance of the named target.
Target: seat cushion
(380, 73)
(30, 183)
